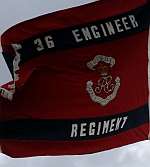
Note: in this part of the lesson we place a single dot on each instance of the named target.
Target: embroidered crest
(106, 88)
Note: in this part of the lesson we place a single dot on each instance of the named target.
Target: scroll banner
(80, 80)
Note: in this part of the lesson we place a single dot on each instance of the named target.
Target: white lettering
(6, 94)
(95, 32)
(118, 124)
(99, 128)
(49, 42)
(118, 25)
(105, 126)
(112, 124)
(39, 44)
(110, 28)
(125, 23)
(124, 121)
(83, 129)
(133, 21)
(103, 29)
(16, 47)
(16, 62)
(86, 33)
(77, 35)
(92, 129)
(74, 130)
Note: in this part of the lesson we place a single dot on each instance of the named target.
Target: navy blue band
(74, 129)
(64, 39)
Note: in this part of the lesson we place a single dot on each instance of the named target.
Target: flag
(80, 80)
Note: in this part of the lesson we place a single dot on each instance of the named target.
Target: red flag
(80, 80)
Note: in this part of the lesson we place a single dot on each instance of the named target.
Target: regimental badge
(106, 88)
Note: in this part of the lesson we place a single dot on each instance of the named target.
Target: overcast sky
(136, 155)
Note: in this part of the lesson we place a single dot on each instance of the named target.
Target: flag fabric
(80, 80)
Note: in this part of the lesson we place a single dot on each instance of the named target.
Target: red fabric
(19, 149)
(53, 86)
(70, 97)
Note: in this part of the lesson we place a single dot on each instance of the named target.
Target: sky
(135, 155)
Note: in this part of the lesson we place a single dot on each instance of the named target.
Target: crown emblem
(106, 88)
